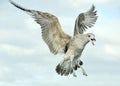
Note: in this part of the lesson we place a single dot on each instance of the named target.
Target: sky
(25, 59)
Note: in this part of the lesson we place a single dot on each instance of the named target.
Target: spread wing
(85, 20)
(52, 33)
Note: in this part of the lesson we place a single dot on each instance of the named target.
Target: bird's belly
(77, 53)
(77, 47)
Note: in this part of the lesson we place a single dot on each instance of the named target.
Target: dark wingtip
(10, 1)
(13, 3)
(16, 5)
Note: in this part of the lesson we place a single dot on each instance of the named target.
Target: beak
(92, 41)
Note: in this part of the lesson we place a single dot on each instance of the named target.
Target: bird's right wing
(85, 20)
(52, 33)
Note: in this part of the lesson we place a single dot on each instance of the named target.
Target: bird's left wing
(52, 33)
(85, 20)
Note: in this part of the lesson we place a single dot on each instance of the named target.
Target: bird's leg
(74, 74)
(83, 71)
(80, 63)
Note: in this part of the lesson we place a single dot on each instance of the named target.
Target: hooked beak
(92, 41)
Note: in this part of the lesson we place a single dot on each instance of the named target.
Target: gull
(61, 43)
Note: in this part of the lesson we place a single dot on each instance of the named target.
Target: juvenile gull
(61, 43)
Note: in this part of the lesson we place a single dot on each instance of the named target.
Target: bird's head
(91, 38)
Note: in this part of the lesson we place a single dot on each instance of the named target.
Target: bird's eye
(88, 35)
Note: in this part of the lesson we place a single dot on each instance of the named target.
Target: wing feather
(85, 20)
(52, 33)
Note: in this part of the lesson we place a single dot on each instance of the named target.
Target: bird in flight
(61, 43)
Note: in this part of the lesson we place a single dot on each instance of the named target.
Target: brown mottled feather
(52, 33)
(60, 42)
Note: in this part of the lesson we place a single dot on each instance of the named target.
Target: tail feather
(64, 68)
(67, 67)
(18, 6)
(58, 69)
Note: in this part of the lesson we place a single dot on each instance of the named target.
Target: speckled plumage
(61, 43)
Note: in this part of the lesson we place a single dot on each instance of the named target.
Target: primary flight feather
(61, 43)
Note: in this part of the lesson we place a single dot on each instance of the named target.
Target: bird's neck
(81, 40)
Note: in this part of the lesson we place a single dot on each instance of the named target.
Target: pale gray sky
(25, 60)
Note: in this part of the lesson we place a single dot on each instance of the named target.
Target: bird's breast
(78, 43)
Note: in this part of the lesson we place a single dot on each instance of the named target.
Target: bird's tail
(20, 7)
(67, 67)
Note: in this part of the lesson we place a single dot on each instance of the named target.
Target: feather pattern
(60, 42)
(85, 20)
(52, 33)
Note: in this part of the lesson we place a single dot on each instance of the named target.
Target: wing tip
(93, 10)
(18, 6)
(11, 2)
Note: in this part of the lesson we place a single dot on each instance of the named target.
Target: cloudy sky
(25, 59)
